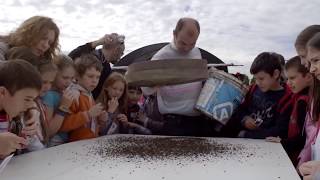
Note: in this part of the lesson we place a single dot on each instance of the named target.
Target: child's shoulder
(51, 98)
(82, 99)
(52, 93)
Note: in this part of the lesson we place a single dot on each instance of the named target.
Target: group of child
(285, 108)
(46, 99)
(66, 109)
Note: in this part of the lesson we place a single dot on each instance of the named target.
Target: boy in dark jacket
(267, 107)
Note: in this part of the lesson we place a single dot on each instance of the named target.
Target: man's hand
(111, 38)
(106, 39)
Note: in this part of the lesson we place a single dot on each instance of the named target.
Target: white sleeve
(157, 56)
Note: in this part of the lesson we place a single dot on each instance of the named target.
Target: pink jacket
(311, 129)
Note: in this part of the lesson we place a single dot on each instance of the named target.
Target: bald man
(185, 37)
(176, 103)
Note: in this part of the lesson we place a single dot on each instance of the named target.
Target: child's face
(314, 61)
(47, 80)
(64, 78)
(90, 79)
(19, 102)
(116, 90)
(267, 82)
(297, 81)
(134, 96)
(44, 44)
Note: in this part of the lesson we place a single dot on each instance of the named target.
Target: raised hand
(67, 98)
(110, 38)
(113, 105)
(96, 110)
(31, 121)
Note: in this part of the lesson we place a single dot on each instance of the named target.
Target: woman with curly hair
(38, 33)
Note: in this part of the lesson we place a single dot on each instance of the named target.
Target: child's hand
(31, 123)
(273, 139)
(10, 142)
(131, 124)
(102, 118)
(122, 118)
(113, 105)
(250, 123)
(309, 169)
(142, 117)
(96, 110)
(67, 98)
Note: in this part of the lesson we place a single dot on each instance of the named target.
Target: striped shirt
(4, 122)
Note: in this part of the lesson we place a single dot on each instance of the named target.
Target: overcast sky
(233, 30)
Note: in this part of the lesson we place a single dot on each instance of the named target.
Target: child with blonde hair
(59, 98)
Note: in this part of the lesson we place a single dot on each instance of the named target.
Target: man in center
(176, 102)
